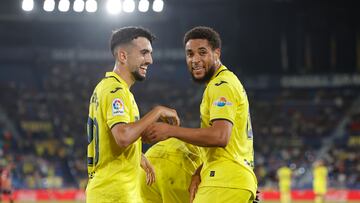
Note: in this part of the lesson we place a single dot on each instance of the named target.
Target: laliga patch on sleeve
(118, 108)
(222, 102)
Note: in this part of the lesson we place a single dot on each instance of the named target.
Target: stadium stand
(289, 125)
(298, 60)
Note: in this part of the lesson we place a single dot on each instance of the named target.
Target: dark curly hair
(202, 32)
(127, 34)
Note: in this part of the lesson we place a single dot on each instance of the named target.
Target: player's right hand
(168, 115)
(195, 181)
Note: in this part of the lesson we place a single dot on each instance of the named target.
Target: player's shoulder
(110, 85)
(227, 76)
(225, 81)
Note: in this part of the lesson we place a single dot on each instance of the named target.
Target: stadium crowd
(49, 112)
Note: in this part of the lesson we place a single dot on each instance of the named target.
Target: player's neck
(216, 68)
(125, 75)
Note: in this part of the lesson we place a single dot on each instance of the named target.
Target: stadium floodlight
(79, 6)
(64, 5)
(129, 6)
(49, 5)
(91, 6)
(143, 5)
(27, 5)
(113, 6)
(158, 5)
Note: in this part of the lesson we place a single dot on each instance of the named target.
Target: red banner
(79, 195)
(331, 195)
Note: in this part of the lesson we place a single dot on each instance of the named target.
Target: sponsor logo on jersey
(116, 89)
(220, 83)
(222, 102)
(118, 108)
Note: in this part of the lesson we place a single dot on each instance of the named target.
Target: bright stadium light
(79, 6)
(91, 6)
(27, 5)
(49, 5)
(158, 5)
(113, 6)
(129, 6)
(64, 5)
(143, 5)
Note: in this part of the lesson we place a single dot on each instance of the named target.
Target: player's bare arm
(194, 184)
(149, 170)
(127, 133)
(218, 135)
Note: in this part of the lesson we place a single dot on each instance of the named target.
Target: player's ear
(121, 55)
(217, 52)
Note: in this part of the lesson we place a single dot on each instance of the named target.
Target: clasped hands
(160, 131)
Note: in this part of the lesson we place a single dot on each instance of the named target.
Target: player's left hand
(156, 132)
(149, 170)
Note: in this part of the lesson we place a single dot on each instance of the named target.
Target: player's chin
(139, 76)
(198, 77)
(143, 76)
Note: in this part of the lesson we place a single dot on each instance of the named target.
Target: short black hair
(202, 32)
(127, 34)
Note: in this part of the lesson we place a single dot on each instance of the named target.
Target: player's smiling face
(201, 59)
(139, 58)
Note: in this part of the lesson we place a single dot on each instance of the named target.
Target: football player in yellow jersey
(174, 162)
(284, 176)
(320, 174)
(225, 136)
(114, 125)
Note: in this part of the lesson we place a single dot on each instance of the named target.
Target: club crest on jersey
(222, 102)
(118, 108)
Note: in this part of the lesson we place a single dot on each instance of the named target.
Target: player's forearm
(127, 134)
(198, 170)
(204, 137)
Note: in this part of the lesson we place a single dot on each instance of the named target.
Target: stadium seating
(50, 108)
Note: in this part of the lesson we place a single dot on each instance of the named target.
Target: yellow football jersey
(232, 166)
(174, 162)
(284, 175)
(181, 153)
(320, 179)
(113, 171)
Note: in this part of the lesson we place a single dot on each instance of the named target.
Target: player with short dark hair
(114, 124)
(225, 136)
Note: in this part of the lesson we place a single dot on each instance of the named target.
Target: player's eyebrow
(145, 51)
(202, 49)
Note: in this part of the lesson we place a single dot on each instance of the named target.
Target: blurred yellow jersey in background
(284, 175)
(320, 179)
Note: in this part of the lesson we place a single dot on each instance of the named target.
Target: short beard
(137, 76)
(206, 77)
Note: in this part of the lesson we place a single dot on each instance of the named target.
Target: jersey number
(93, 132)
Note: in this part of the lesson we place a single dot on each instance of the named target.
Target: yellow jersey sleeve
(222, 101)
(118, 107)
